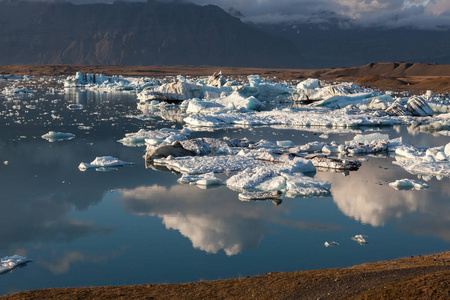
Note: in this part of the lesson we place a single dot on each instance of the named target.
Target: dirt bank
(420, 277)
(386, 76)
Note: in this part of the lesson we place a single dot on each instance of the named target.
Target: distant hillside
(152, 33)
(329, 45)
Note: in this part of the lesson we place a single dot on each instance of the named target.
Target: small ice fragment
(408, 184)
(52, 136)
(10, 262)
(360, 239)
(333, 243)
(75, 106)
(6, 162)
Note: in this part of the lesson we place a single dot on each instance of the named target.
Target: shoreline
(417, 77)
(416, 277)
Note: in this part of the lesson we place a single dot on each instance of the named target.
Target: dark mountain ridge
(124, 33)
(330, 45)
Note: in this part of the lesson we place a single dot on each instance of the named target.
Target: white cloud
(430, 14)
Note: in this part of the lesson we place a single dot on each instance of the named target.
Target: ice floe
(52, 136)
(430, 162)
(103, 163)
(163, 136)
(360, 239)
(8, 263)
(331, 244)
(407, 184)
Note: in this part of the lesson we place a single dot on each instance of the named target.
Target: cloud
(428, 14)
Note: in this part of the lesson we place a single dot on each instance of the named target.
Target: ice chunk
(52, 136)
(206, 179)
(8, 263)
(238, 101)
(331, 244)
(103, 162)
(286, 143)
(197, 105)
(301, 185)
(254, 80)
(154, 137)
(408, 184)
(75, 106)
(360, 239)
(310, 83)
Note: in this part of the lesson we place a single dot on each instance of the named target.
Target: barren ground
(417, 77)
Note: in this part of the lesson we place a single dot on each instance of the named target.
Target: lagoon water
(137, 225)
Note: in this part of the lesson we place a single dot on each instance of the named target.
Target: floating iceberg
(10, 262)
(431, 162)
(154, 137)
(103, 163)
(408, 184)
(360, 239)
(52, 136)
(331, 244)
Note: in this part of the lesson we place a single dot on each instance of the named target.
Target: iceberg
(408, 184)
(8, 263)
(103, 163)
(430, 162)
(360, 239)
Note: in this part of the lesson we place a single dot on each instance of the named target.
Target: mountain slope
(329, 45)
(152, 33)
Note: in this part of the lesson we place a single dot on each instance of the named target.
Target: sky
(423, 14)
(389, 13)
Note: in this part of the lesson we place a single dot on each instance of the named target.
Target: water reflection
(211, 222)
(366, 197)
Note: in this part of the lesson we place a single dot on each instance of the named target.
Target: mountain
(329, 45)
(124, 33)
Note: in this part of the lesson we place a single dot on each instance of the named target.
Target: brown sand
(421, 277)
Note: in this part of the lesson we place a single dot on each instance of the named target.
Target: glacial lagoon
(137, 225)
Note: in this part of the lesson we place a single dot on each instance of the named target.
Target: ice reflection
(95, 97)
(366, 197)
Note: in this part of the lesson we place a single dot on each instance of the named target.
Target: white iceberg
(360, 239)
(408, 184)
(8, 263)
(103, 162)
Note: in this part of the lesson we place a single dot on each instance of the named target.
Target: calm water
(137, 225)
